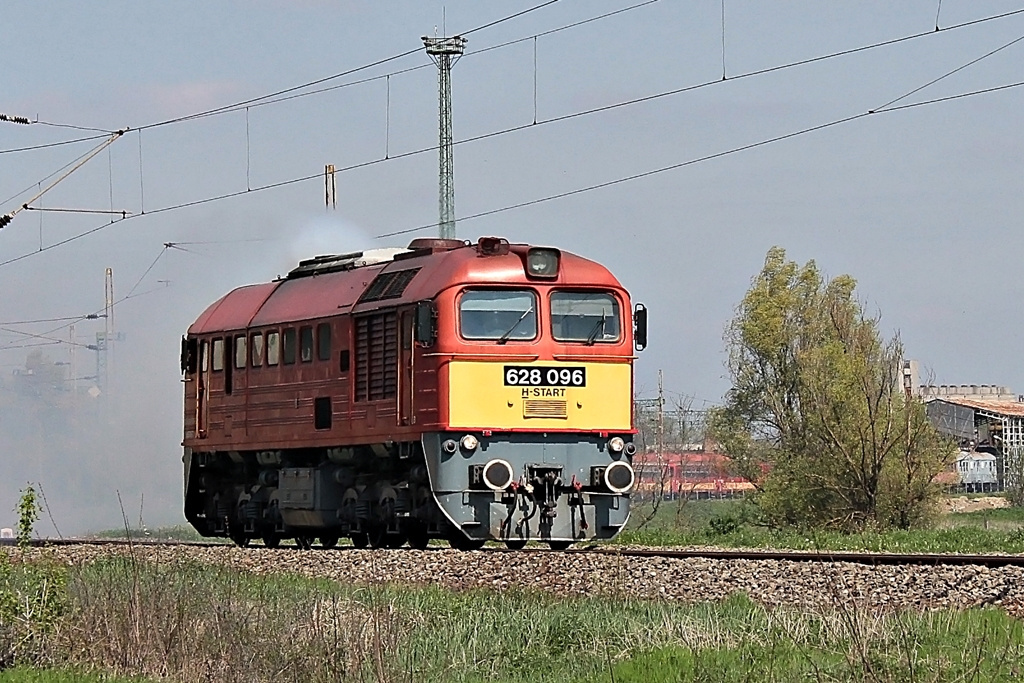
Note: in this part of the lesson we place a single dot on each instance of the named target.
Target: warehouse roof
(1008, 408)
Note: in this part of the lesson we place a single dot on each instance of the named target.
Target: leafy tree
(817, 415)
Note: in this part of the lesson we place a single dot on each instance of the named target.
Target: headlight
(542, 262)
(498, 474)
(449, 446)
(470, 442)
(616, 444)
(618, 477)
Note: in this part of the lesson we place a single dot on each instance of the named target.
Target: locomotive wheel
(515, 543)
(460, 542)
(559, 545)
(328, 541)
(378, 537)
(241, 540)
(418, 537)
(271, 540)
(360, 540)
(395, 540)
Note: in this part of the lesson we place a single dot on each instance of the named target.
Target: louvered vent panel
(362, 357)
(388, 285)
(376, 357)
(549, 409)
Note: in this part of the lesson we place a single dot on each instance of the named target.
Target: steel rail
(821, 556)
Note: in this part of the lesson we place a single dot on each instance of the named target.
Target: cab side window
(218, 355)
(306, 343)
(323, 341)
(240, 347)
(257, 349)
(273, 347)
(288, 345)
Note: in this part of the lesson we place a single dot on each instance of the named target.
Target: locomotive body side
(443, 394)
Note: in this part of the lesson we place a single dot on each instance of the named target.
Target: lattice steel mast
(444, 52)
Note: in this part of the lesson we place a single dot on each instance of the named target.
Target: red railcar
(692, 474)
(465, 391)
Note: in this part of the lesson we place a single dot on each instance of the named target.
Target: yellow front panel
(480, 398)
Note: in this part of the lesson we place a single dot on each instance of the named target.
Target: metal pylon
(444, 52)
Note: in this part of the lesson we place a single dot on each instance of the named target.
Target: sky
(921, 204)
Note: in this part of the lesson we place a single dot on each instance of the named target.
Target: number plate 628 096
(532, 376)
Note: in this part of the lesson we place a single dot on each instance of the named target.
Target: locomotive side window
(587, 317)
(306, 343)
(289, 345)
(273, 348)
(218, 355)
(498, 314)
(257, 349)
(323, 341)
(204, 356)
(240, 346)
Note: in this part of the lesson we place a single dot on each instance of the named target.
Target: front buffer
(559, 488)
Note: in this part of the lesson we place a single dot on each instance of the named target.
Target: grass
(191, 622)
(178, 532)
(726, 523)
(30, 675)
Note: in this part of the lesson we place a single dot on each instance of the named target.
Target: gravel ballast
(565, 574)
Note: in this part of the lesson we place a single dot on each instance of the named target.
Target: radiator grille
(376, 357)
(388, 285)
(549, 409)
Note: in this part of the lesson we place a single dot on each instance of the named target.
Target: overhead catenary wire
(276, 97)
(256, 100)
(950, 73)
(723, 40)
(81, 162)
(565, 117)
(39, 183)
(697, 160)
(36, 321)
(71, 320)
(289, 95)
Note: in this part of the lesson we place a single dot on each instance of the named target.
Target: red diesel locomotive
(470, 392)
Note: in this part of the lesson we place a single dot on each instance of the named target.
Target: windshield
(587, 317)
(498, 314)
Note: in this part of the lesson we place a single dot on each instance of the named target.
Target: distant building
(978, 471)
(982, 392)
(985, 392)
(989, 425)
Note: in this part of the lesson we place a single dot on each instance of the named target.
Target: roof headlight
(542, 262)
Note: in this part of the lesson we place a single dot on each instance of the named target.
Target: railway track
(862, 558)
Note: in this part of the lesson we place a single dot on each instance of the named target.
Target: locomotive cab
(471, 392)
(536, 377)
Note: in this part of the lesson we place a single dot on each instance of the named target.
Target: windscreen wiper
(505, 337)
(598, 327)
